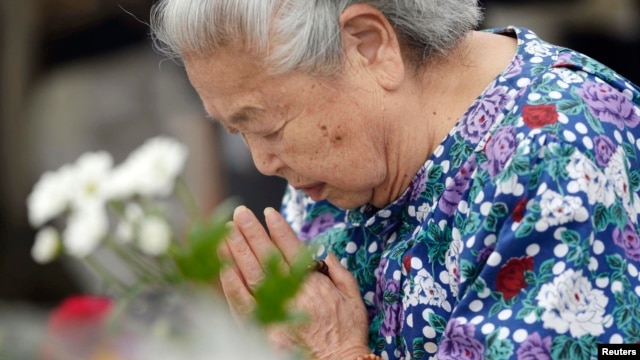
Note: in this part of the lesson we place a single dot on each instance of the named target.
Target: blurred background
(81, 75)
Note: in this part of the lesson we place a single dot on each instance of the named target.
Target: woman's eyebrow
(243, 115)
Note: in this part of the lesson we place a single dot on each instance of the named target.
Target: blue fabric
(518, 238)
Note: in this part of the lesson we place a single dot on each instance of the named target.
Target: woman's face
(324, 136)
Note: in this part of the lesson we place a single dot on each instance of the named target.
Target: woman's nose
(264, 158)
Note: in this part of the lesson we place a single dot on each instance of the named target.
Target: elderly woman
(473, 193)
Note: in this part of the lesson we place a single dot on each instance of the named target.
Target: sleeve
(552, 268)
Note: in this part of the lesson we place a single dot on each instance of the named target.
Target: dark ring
(319, 266)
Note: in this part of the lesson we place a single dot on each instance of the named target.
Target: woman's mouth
(314, 191)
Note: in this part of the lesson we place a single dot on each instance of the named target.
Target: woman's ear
(369, 39)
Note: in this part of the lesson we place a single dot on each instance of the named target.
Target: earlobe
(369, 39)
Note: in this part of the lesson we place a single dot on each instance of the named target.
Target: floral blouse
(518, 238)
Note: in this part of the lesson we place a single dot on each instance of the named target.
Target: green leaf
(524, 312)
(585, 347)
(569, 107)
(418, 348)
(468, 269)
(459, 151)
(603, 275)
(634, 180)
(472, 224)
(633, 299)
(622, 315)
(538, 70)
(459, 221)
(632, 332)
(530, 277)
(490, 223)
(535, 176)
(520, 165)
(478, 285)
(600, 217)
(524, 229)
(618, 215)
(545, 278)
(561, 348)
(437, 322)
(570, 237)
(495, 309)
(279, 287)
(616, 262)
(434, 173)
(499, 210)
(498, 349)
(629, 150)
(547, 266)
(594, 122)
(198, 259)
(527, 225)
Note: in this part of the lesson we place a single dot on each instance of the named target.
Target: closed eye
(274, 135)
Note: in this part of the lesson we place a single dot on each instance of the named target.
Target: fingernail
(238, 209)
(268, 212)
(241, 215)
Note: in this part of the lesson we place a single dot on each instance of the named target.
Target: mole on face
(335, 138)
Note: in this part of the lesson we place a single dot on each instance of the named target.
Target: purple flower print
(483, 113)
(313, 228)
(534, 348)
(564, 59)
(380, 280)
(483, 255)
(629, 240)
(393, 310)
(515, 68)
(500, 148)
(609, 105)
(458, 342)
(453, 193)
(418, 184)
(604, 149)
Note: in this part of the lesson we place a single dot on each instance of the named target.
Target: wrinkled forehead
(224, 68)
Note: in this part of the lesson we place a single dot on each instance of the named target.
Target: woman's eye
(274, 134)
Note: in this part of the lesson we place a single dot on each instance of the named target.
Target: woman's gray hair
(305, 34)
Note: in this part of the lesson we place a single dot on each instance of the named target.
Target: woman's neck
(421, 114)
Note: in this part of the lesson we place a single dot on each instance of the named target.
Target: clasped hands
(337, 320)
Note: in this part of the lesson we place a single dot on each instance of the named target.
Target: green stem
(188, 200)
(142, 268)
(104, 274)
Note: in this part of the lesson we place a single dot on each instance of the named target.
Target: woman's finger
(342, 278)
(238, 295)
(248, 266)
(282, 235)
(256, 236)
